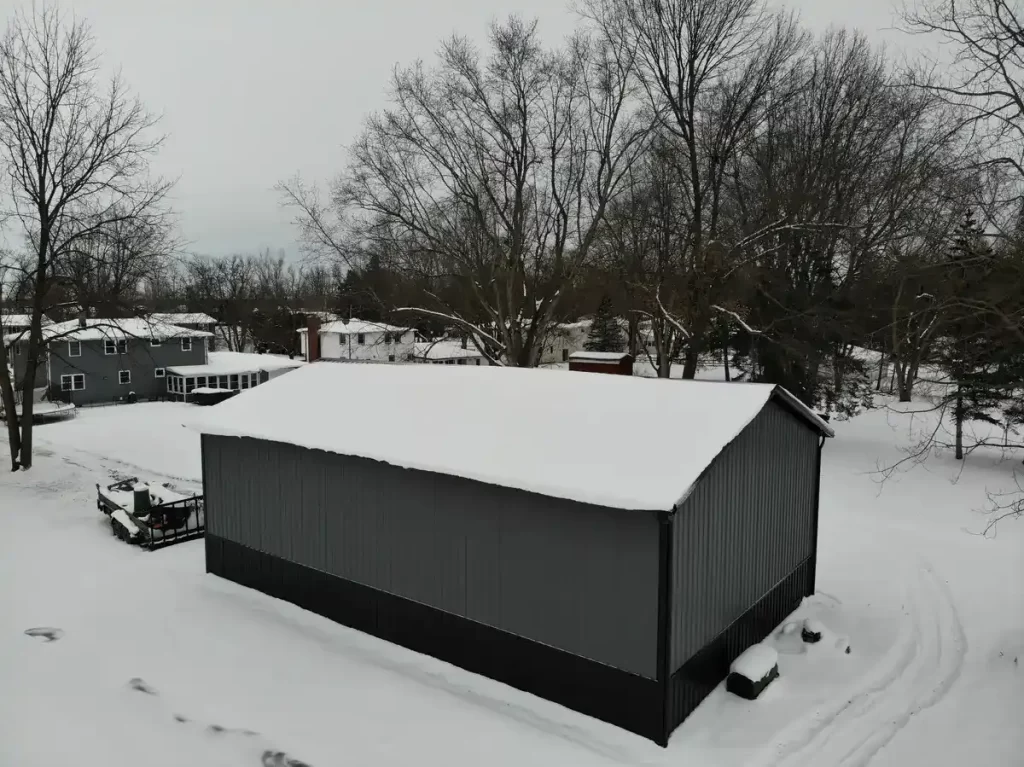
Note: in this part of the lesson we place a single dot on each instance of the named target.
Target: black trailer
(151, 516)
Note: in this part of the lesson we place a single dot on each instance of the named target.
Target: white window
(75, 382)
(200, 382)
(361, 338)
(155, 342)
(124, 376)
(74, 348)
(186, 344)
(159, 372)
(234, 383)
(111, 346)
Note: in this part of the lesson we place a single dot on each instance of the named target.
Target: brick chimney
(81, 319)
(312, 338)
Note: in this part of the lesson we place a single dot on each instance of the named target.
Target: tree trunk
(690, 360)
(10, 408)
(633, 331)
(958, 415)
(881, 371)
(725, 360)
(35, 346)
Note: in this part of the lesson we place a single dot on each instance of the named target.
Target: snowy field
(152, 662)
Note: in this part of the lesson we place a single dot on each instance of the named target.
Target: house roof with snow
(444, 350)
(95, 329)
(236, 363)
(357, 326)
(464, 421)
(21, 320)
(184, 318)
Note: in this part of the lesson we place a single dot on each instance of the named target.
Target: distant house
(562, 340)
(501, 520)
(89, 361)
(191, 320)
(19, 324)
(356, 340)
(233, 371)
(446, 352)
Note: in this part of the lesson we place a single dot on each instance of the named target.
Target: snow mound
(756, 662)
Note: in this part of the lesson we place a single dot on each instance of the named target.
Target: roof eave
(799, 408)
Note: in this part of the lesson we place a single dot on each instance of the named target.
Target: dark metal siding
(580, 578)
(748, 524)
(101, 370)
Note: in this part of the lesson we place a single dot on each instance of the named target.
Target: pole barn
(606, 542)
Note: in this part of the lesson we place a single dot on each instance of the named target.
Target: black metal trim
(665, 527)
(618, 697)
(814, 524)
(702, 673)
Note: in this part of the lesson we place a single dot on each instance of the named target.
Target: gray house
(191, 320)
(606, 542)
(89, 361)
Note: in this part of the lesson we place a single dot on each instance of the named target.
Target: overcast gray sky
(254, 91)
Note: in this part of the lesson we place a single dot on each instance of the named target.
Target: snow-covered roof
(357, 326)
(444, 350)
(21, 320)
(125, 327)
(535, 430)
(184, 318)
(236, 363)
(598, 356)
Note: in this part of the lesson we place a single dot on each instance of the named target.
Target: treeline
(736, 186)
(732, 186)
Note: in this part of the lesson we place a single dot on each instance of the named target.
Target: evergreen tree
(605, 332)
(981, 366)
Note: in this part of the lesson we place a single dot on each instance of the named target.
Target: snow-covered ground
(156, 663)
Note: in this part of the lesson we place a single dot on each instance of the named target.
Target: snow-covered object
(140, 486)
(755, 663)
(97, 329)
(126, 521)
(444, 350)
(813, 630)
(357, 326)
(237, 363)
(184, 318)
(535, 430)
(597, 356)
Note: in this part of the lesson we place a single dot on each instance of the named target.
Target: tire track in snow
(919, 670)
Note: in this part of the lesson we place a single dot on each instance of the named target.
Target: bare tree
(487, 180)
(986, 75)
(106, 271)
(74, 157)
(711, 69)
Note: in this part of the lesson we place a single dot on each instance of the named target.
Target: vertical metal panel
(747, 524)
(579, 578)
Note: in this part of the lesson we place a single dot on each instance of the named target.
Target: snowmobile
(150, 515)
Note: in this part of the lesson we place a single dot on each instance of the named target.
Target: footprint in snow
(45, 632)
(280, 759)
(140, 685)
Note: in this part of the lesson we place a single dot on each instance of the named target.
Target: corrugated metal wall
(580, 578)
(747, 525)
